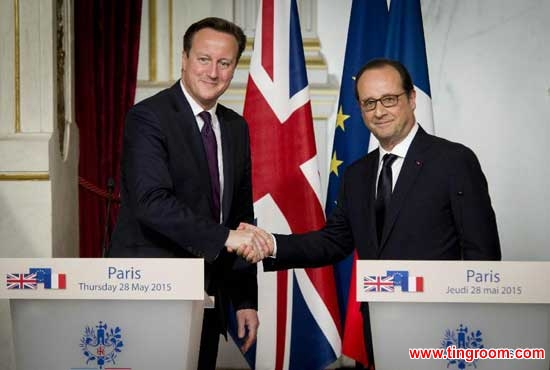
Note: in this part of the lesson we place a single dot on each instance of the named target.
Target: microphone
(105, 244)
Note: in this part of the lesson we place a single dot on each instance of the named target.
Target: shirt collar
(196, 107)
(400, 149)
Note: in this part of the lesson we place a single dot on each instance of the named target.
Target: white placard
(453, 281)
(102, 278)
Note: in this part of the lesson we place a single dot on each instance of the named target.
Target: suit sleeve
(243, 287)
(150, 189)
(317, 248)
(472, 210)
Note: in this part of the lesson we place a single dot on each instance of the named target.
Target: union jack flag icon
(21, 281)
(378, 283)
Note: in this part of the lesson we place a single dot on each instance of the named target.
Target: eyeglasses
(387, 101)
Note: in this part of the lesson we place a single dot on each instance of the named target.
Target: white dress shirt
(400, 150)
(196, 108)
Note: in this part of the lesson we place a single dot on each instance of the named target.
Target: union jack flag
(21, 281)
(378, 283)
(300, 326)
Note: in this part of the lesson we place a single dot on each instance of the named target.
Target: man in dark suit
(416, 197)
(186, 180)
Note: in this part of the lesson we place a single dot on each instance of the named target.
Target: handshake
(250, 242)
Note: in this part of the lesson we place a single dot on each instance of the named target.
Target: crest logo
(461, 338)
(101, 344)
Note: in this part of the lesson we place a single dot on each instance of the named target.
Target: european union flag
(366, 40)
(43, 275)
(400, 278)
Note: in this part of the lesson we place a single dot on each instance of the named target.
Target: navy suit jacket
(439, 210)
(165, 194)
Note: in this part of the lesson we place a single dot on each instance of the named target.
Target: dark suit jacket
(439, 210)
(165, 193)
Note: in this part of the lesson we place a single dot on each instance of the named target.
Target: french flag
(59, 281)
(405, 43)
(416, 284)
(300, 327)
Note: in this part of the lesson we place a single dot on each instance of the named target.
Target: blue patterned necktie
(211, 149)
(383, 193)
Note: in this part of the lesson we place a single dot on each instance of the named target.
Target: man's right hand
(250, 242)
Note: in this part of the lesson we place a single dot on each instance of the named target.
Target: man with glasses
(416, 197)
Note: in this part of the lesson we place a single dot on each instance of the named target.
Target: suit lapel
(185, 120)
(227, 151)
(366, 192)
(412, 166)
(371, 186)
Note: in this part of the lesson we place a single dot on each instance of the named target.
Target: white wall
(490, 78)
(38, 185)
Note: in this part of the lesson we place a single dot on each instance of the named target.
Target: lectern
(497, 311)
(105, 313)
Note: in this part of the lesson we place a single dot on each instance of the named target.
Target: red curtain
(106, 57)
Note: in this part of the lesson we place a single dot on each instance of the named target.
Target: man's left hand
(247, 319)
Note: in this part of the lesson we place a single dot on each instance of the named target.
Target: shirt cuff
(274, 254)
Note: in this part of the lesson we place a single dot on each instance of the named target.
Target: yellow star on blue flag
(334, 164)
(340, 118)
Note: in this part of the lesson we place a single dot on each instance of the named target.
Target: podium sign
(453, 281)
(105, 313)
(472, 305)
(102, 278)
